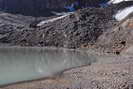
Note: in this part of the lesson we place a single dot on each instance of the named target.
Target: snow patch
(52, 20)
(59, 14)
(117, 1)
(122, 14)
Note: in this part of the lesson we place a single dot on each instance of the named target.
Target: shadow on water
(19, 64)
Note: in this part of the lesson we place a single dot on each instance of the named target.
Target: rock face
(42, 7)
(83, 28)
(119, 38)
(32, 7)
(72, 31)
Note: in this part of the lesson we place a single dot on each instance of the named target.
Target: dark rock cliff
(43, 7)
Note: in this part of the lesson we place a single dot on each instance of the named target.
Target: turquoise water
(22, 64)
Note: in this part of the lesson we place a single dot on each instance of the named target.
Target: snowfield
(117, 1)
(122, 14)
(52, 20)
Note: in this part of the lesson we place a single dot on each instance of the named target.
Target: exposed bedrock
(43, 7)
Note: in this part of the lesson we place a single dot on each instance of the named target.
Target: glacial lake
(19, 64)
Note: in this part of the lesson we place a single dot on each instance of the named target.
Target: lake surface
(21, 64)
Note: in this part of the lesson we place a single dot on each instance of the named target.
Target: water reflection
(20, 64)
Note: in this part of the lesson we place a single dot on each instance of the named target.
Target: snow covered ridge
(52, 20)
(122, 14)
(117, 1)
